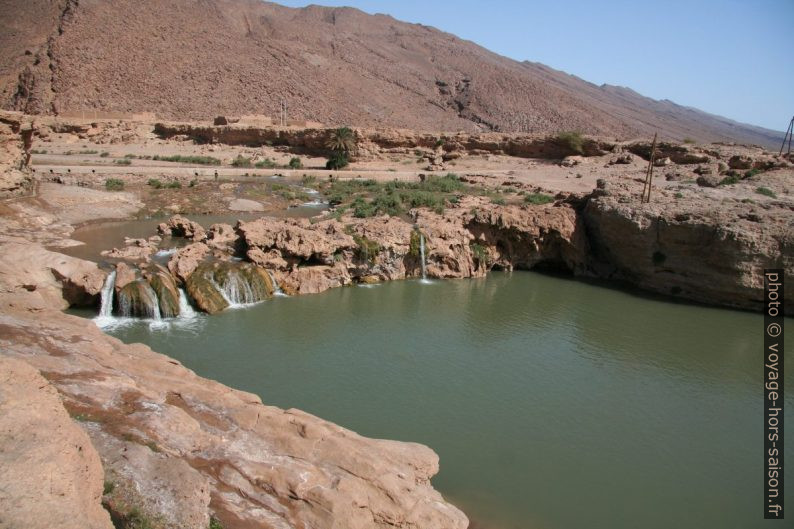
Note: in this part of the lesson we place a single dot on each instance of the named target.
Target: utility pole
(789, 133)
(283, 117)
(646, 190)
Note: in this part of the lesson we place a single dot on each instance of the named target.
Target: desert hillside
(195, 59)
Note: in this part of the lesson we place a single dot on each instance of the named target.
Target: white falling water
(422, 256)
(106, 308)
(235, 290)
(276, 289)
(186, 311)
(149, 306)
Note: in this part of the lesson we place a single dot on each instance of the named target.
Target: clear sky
(729, 57)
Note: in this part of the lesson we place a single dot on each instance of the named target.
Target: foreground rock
(52, 476)
(195, 448)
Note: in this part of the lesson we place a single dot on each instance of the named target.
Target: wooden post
(646, 190)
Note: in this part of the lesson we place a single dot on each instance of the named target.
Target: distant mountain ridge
(195, 59)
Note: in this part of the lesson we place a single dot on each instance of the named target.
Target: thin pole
(646, 190)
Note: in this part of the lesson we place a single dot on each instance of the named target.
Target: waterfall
(276, 289)
(139, 299)
(186, 311)
(422, 255)
(234, 288)
(106, 308)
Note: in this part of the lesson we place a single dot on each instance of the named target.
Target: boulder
(709, 180)
(185, 260)
(179, 226)
(243, 204)
(164, 285)
(623, 159)
(570, 161)
(740, 161)
(125, 274)
(52, 476)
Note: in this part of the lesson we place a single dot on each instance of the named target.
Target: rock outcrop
(52, 475)
(16, 136)
(692, 249)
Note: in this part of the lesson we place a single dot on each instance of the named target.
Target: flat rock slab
(242, 204)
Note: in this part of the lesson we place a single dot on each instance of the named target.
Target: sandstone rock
(624, 159)
(703, 170)
(296, 239)
(740, 161)
(186, 259)
(135, 250)
(52, 476)
(221, 235)
(179, 226)
(125, 274)
(570, 161)
(164, 285)
(662, 162)
(709, 180)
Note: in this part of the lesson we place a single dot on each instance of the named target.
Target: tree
(342, 139)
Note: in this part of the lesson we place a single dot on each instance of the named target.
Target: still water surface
(553, 404)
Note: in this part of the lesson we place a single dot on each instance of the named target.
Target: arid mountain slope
(194, 59)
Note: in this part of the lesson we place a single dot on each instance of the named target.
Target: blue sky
(728, 57)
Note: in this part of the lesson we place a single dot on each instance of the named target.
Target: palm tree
(342, 139)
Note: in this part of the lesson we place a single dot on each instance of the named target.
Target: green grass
(174, 184)
(123, 161)
(752, 172)
(267, 163)
(155, 183)
(241, 161)
(108, 487)
(114, 184)
(200, 160)
(766, 192)
(215, 523)
(366, 249)
(480, 253)
(729, 180)
(295, 163)
(89, 151)
(538, 199)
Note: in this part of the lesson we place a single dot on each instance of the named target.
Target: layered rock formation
(16, 136)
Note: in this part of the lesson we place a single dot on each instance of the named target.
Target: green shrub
(480, 253)
(679, 195)
(295, 163)
(155, 183)
(267, 163)
(752, 172)
(766, 192)
(108, 487)
(193, 183)
(366, 250)
(729, 180)
(215, 523)
(104, 154)
(174, 184)
(241, 161)
(123, 161)
(200, 160)
(499, 201)
(538, 198)
(114, 184)
(90, 151)
(572, 141)
(337, 160)
(689, 140)
(308, 180)
(130, 156)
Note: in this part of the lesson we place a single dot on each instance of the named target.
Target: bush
(295, 163)
(538, 199)
(366, 250)
(766, 192)
(267, 163)
(174, 184)
(480, 253)
(499, 201)
(200, 160)
(572, 141)
(155, 183)
(729, 180)
(90, 151)
(337, 160)
(123, 161)
(689, 140)
(193, 183)
(308, 180)
(241, 161)
(114, 184)
(215, 523)
(104, 154)
(752, 172)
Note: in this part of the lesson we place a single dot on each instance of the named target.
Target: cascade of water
(276, 289)
(154, 302)
(422, 255)
(186, 311)
(146, 305)
(106, 308)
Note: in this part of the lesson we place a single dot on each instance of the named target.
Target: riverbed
(552, 403)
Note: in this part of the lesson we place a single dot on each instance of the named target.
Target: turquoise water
(553, 403)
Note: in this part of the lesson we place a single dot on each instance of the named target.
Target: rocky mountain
(195, 59)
